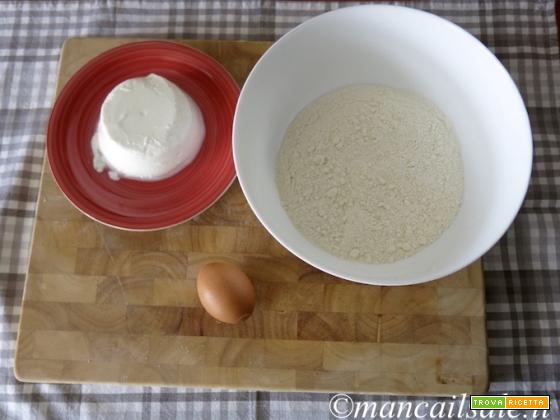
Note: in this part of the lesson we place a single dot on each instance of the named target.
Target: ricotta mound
(148, 129)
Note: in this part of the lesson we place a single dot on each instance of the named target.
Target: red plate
(131, 204)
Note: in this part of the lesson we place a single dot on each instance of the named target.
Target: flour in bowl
(371, 173)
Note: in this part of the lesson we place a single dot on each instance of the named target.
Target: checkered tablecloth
(522, 271)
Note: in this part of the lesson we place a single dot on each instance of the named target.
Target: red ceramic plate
(131, 204)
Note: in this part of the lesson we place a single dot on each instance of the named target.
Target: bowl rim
(407, 279)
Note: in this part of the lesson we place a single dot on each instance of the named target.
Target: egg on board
(225, 292)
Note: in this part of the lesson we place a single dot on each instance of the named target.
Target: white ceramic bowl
(407, 49)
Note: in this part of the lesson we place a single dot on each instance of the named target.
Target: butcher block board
(103, 305)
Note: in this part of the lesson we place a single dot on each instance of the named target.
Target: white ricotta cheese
(148, 129)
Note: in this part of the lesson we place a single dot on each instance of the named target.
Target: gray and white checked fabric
(522, 271)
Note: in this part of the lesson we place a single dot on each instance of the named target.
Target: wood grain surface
(103, 305)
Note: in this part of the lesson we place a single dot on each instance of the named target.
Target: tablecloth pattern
(522, 271)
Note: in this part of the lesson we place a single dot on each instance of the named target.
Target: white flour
(370, 173)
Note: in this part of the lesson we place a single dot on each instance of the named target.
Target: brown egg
(225, 292)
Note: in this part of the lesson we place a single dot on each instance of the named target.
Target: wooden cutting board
(103, 305)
